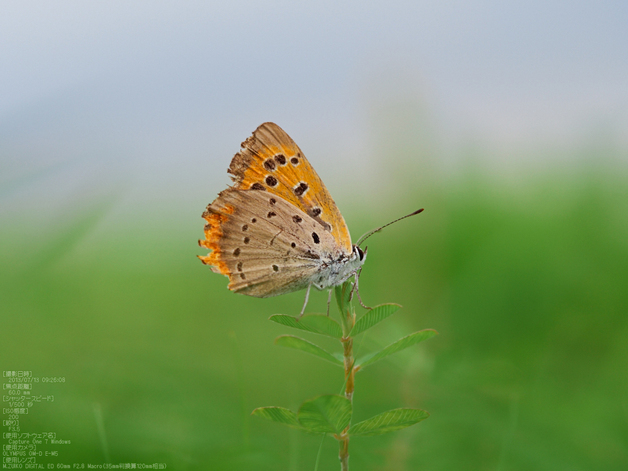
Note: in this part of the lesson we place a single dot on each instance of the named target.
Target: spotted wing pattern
(265, 245)
(270, 161)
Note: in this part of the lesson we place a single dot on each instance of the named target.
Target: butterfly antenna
(370, 233)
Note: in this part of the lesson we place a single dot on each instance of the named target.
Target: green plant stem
(347, 345)
(344, 454)
(347, 348)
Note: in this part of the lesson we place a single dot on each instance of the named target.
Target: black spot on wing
(269, 164)
(271, 181)
(300, 189)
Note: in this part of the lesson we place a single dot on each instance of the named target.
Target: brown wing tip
(268, 125)
(240, 162)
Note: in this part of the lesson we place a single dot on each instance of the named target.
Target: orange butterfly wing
(271, 161)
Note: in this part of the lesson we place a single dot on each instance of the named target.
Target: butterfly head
(356, 259)
(358, 254)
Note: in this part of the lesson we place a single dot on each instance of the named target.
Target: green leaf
(388, 421)
(343, 292)
(325, 414)
(278, 414)
(399, 345)
(372, 317)
(298, 343)
(316, 323)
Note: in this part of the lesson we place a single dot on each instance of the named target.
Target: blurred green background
(117, 126)
(526, 286)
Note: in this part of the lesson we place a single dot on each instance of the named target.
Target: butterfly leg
(357, 290)
(307, 295)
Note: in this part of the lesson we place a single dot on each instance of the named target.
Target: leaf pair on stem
(331, 414)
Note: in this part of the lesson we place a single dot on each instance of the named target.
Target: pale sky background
(155, 97)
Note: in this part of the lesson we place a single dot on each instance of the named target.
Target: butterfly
(277, 230)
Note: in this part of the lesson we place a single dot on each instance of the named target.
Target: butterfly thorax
(334, 272)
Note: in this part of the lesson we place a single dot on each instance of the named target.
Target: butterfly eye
(360, 252)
